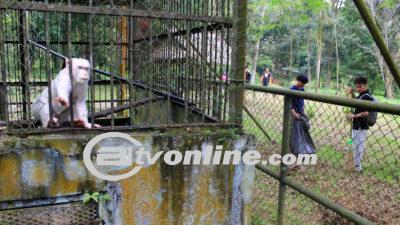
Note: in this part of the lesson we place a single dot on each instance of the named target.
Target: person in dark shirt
(266, 78)
(247, 75)
(360, 125)
(300, 139)
(298, 103)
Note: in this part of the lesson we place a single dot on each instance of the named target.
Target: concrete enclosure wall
(36, 168)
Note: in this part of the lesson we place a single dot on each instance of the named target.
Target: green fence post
(238, 60)
(287, 116)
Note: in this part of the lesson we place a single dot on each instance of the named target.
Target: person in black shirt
(300, 138)
(247, 75)
(298, 103)
(266, 78)
(360, 125)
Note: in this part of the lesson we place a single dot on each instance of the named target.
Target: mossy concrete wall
(45, 166)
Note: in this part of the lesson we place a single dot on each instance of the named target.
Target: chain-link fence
(61, 214)
(165, 55)
(372, 193)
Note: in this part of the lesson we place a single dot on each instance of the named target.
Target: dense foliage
(324, 39)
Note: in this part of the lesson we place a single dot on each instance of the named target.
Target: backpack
(372, 115)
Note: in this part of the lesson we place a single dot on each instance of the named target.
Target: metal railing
(335, 185)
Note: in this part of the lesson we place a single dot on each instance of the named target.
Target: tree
(387, 16)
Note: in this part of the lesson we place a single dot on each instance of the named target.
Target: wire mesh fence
(372, 193)
(70, 213)
(144, 54)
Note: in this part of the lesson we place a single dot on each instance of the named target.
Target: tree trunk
(337, 57)
(308, 56)
(319, 53)
(389, 81)
(291, 53)
(256, 53)
(255, 59)
(329, 69)
(386, 77)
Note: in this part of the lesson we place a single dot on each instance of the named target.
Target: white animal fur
(61, 88)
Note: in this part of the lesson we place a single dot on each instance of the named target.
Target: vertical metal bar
(122, 60)
(168, 57)
(3, 71)
(151, 81)
(223, 88)
(380, 42)
(187, 61)
(216, 76)
(47, 64)
(211, 75)
(113, 65)
(14, 52)
(24, 54)
(131, 63)
(203, 75)
(69, 54)
(287, 117)
(238, 60)
(92, 74)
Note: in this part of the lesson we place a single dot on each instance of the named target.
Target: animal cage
(154, 62)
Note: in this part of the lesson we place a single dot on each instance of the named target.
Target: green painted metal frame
(284, 181)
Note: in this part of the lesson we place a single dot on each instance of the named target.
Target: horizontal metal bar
(193, 30)
(88, 101)
(42, 201)
(317, 197)
(337, 100)
(72, 131)
(39, 6)
(44, 83)
(65, 43)
(127, 106)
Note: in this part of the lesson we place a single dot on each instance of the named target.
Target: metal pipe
(62, 8)
(332, 99)
(380, 42)
(112, 58)
(92, 77)
(258, 124)
(47, 65)
(69, 51)
(24, 59)
(131, 62)
(357, 219)
(287, 117)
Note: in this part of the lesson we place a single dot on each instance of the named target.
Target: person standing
(360, 124)
(266, 78)
(300, 138)
(224, 77)
(247, 75)
(298, 103)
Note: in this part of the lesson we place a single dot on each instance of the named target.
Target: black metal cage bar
(153, 62)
